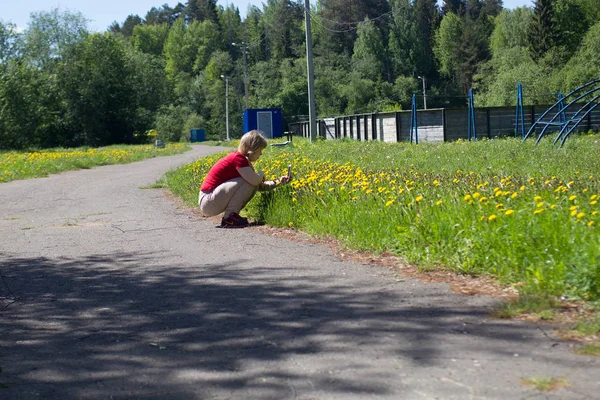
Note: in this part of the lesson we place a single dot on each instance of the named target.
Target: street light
(243, 45)
(424, 94)
(226, 103)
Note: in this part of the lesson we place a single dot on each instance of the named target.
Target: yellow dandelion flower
(580, 215)
(509, 212)
(594, 212)
(573, 197)
(467, 197)
(573, 213)
(572, 208)
(482, 218)
(294, 200)
(553, 206)
(514, 195)
(476, 195)
(591, 223)
(537, 198)
(522, 188)
(540, 205)
(389, 203)
(539, 210)
(491, 217)
(593, 197)
(419, 198)
(290, 224)
(593, 203)
(439, 202)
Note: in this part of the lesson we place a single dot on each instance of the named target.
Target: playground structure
(567, 113)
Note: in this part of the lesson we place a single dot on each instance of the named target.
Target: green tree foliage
(510, 29)
(164, 14)
(201, 10)
(341, 18)
(369, 56)
(98, 89)
(541, 34)
(9, 42)
(426, 15)
(49, 34)
(150, 39)
(404, 45)
(447, 41)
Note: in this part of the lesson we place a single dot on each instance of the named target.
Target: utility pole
(311, 78)
(424, 94)
(226, 104)
(243, 45)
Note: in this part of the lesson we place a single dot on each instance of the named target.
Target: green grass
(34, 164)
(526, 214)
(589, 350)
(545, 384)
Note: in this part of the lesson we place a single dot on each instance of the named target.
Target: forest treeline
(63, 85)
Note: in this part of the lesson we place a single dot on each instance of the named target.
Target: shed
(267, 120)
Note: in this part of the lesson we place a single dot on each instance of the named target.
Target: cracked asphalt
(124, 294)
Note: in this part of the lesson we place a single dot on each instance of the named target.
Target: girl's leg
(229, 197)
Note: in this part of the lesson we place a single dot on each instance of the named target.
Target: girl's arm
(253, 178)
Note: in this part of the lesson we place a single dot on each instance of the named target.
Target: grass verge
(35, 164)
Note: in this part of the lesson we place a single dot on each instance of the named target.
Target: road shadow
(123, 326)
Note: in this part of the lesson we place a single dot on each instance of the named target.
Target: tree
(9, 42)
(129, 24)
(541, 34)
(426, 15)
(96, 78)
(50, 33)
(150, 39)
(201, 10)
(456, 7)
(164, 14)
(342, 17)
(369, 56)
(510, 29)
(447, 41)
(403, 43)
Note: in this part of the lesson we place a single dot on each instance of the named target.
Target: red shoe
(234, 220)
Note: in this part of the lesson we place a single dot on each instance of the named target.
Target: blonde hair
(252, 142)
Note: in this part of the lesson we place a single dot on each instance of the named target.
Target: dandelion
(419, 198)
(580, 215)
(389, 203)
(540, 205)
(476, 195)
(509, 212)
(522, 188)
(514, 195)
(439, 202)
(593, 203)
(491, 218)
(594, 212)
(539, 210)
(537, 198)
(591, 223)
(467, 197)
(573, 213)
(290, 224)
(573, 197)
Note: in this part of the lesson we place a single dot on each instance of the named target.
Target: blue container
(197, 135)
(267, 120)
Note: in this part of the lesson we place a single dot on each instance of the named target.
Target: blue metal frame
(519, 118)
(471, 130)
(413, 120)
(563, 121)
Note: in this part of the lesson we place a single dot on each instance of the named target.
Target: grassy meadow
(525, 214)
(16, 165)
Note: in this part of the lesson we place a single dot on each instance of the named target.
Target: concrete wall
(442, 124)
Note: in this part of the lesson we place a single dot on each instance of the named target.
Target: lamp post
(424, 94)
(243, 45)
(226, 103)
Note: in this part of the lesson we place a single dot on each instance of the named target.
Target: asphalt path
(124, 294)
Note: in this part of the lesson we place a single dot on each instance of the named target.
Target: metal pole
(226, 104)
(424, 93)
(245, 73)
(243, 45)
(310, 73)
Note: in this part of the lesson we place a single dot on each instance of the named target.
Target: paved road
(125, 295)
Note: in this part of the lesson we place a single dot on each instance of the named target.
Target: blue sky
(103, 13)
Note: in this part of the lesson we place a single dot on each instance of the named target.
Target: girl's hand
(284, 179)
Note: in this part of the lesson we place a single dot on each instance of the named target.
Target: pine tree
(541, 35)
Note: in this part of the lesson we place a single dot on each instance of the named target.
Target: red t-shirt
(223, 170)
